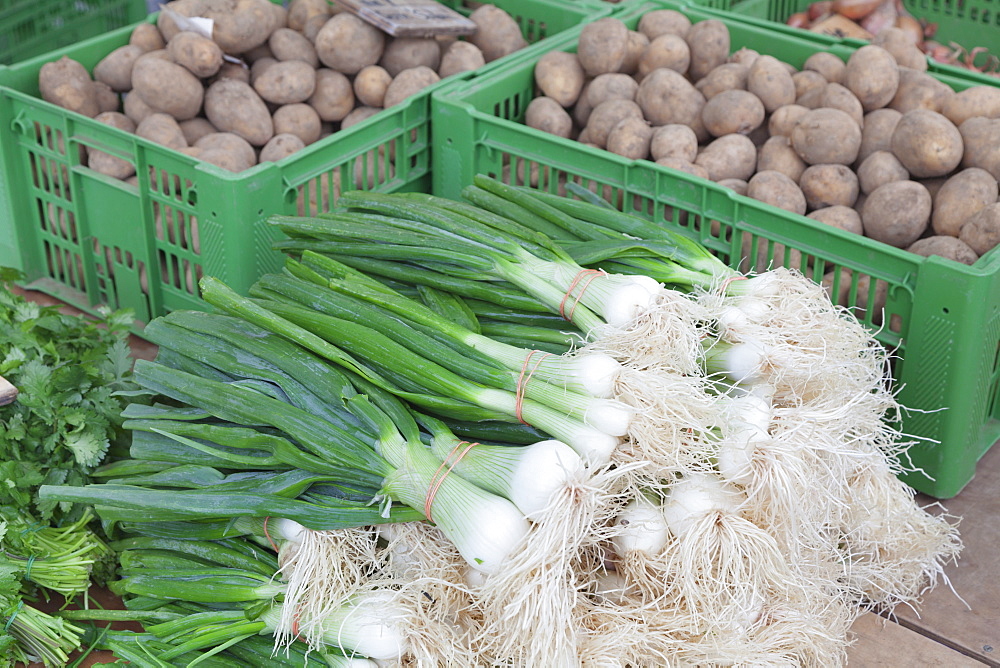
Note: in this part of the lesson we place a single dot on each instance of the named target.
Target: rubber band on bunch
(13, 616)
(730, 279)
(522, 381)
(268, 536)
(438, 478)
(589, 275)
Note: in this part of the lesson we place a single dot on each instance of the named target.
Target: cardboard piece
(411, 18)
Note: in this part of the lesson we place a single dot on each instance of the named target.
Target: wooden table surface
(954, 627)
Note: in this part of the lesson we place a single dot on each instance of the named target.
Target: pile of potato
(268, 82)
(873, 145)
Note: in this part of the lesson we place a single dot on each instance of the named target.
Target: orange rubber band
(522, 382)
(266, 534)
(591, 274)
(731, 279)
(437, 481)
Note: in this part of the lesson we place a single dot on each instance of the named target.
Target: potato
(162, 129)
(981, 137)
(826, 136)
(771, 82)
(808, 80)
(919, 90)
(637, 45)
(300, 120)
(346, 44)
(107, 99)
(370, 85)
(973, 101)
(559, 75)
(961, 197)
(409, 82)
(287, 44)
(545, 114)
(709, 43)
(732, 111)
(196, 128)
(738, 186)
(286, 82)
(497, 33)
(778, 190)
(167, 87)
(358, 115)
(829, 185)
(836, 96)
(743, 56)
(630, 138)
(897, 42)
(842, 217)
(778, 155)
(108, 164)
(115, 69)
(240, 25)
(602, 46)
(666, 97)
(238, 71)
(312, 28)
(729, 157)
(66, 83)
(279, 147)
(581, 110)
(242, 155)
(260, 66)
(301, 11)
(927, 143)
(876, 134)
(258, 53)
(830, 66)
(879, 168)
(606, 116)
(402, 53)
(872, 74)
(982, 231)
(665, 51)
(200, 55)
(220, 158)
(727, 76)
(333, 98)
(147, 37)
(459, 57)
(135, 108)
(673, 141)
(949, 247)
(784, 119)
(233, 106)
(682, 165)
(611, 86)
(897, 213)
(658, 22)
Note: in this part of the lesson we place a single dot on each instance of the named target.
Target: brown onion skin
(799, 20)
(856, 9)
(818, 9)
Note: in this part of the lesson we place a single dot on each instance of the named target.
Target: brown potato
(897, 42)
(581, 110)
(876, 134)
(333, 98)
(611, 86)
(777, 155)
(196, 128)
(459, 57)
(115, 69)
(808, 80)
(981, 137)
(949, 247)
(233, 106)
(147, 37)
(286, 82)
(602, 46)
(919, 90)
(300, 120)
(370, 85)
(497, 34)
(961, 197)
(842, 217)
(301, 11)
(358, 115)
(709, 43)
(240, 25)
(673, 141)
(733, 111)
(778, 190)
(665, 51)
(830, 66)
(826, 136)
(288, 44)
(135, 108)
(738, 186)
(402, 53)
(727, 76)
(879, 168)
(630, 138)
(897, 213)
(784, 119)
(743, 56)
(107, 99)
(666, 97)
(66, 83)
(242, 155)
(200, 55)
(238, 71)
(637, 45)
(408, 83)
(606, 116)
(280, 147)
(836, 96)
(973, 101)
(829, 185)
(560, 75)
(927, 143)
(872, 74)
(658, 22)
(162, 129)
(108, 164)
(769, 80)
(729, 157)
(167, 87)
(346, 43)
(545, 114)
(982, 231)
(682, 165)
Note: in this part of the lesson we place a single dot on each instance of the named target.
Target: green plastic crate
(30, 28)
(943, 318)
(93, 240)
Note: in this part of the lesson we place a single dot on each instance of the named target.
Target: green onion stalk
(29, 634)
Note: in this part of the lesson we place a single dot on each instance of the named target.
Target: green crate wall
(941, 318)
